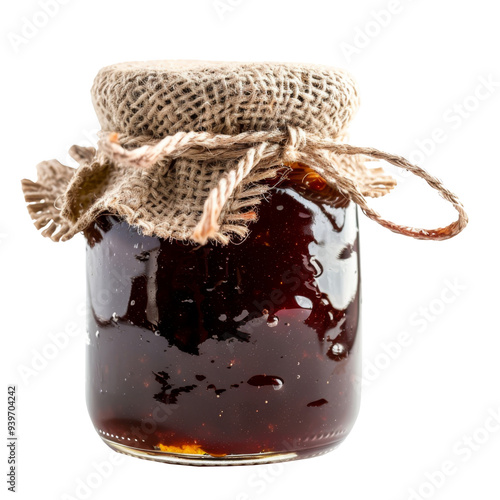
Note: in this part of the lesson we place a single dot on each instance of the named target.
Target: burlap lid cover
(186, 145)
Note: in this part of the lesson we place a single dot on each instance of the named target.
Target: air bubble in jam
(114, 317)
(338, 351)
(266, 380)
(272, 320)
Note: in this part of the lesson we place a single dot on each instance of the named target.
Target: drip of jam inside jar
(229, 350)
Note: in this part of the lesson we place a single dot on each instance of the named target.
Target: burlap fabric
(186, 147)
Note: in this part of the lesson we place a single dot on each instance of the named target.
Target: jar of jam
(244, 353)
(220, 214)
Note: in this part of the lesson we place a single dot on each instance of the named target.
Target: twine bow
(276, 148)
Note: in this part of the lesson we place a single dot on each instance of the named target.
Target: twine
(274, 148)
(196, 144)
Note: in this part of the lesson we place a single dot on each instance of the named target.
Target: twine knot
(297, 140)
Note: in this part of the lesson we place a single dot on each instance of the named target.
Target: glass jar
(218, 355)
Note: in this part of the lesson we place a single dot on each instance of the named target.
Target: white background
(418, 70)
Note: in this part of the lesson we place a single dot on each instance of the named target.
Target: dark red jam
(223, 351)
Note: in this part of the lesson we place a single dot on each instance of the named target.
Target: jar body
(244, 353)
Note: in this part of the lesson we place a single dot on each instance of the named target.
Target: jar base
(207, 460)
